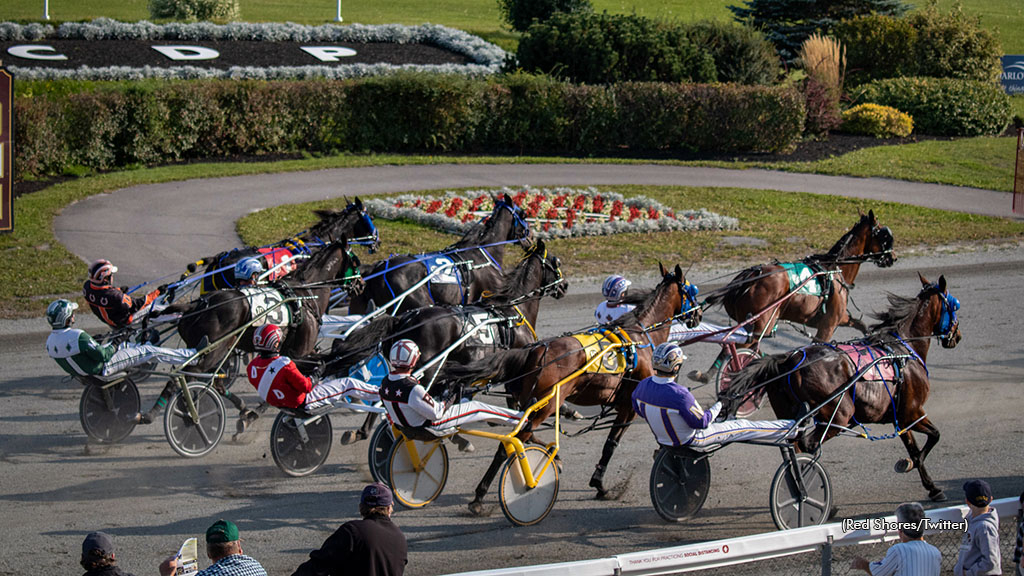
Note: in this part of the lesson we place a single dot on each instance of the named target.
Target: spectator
(1018, 549)
(373, 546)
(912, 556)
(98, 556)
(979, 546)
(224, 548)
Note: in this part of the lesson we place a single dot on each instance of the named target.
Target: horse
(483, 245)
(353, 221)
(220, 313)
(514, 307)
(821, 303)
(536, 369)
(815, 373)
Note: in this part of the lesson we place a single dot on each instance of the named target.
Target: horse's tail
(763, 371)
(502, 366)
(739, 284)
(361, 343)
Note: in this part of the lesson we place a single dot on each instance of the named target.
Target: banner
(6, 152)
(1012, 77)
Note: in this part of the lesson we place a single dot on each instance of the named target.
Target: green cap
(222, 531)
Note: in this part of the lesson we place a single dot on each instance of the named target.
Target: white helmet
(60, 313)
(614, 288)
(404, 354)
(667, 358)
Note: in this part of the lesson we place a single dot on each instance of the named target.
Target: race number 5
(483, 334)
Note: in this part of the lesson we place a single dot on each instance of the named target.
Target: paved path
(150, 230)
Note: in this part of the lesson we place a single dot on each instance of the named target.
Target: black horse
(353, 221)
(220, 313)
(895, 393)
(483, 246)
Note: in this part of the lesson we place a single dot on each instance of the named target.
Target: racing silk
(77, 353)
(607, 312)
(278, 381)
(407, 402)
(112, 306)
(671, 411)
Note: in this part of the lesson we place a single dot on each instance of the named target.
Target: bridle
(948, 322)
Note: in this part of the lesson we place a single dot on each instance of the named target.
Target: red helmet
(101, 271)
(267, 338)
(404, 354)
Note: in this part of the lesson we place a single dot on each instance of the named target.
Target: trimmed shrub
(742, 54)
(878, 121)
(194, 9)
(39, 145)
(605, 48)
(877, 46)
(520, 14)
(944, 106)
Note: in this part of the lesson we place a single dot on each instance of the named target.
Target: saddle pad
(486, 336)
(435, 261)
(274, 256)
(262, 299)
(796, 273)
(613, 362)
(861, 356)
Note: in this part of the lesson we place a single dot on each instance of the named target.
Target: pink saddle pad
(862, 356)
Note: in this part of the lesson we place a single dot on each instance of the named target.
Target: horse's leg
(476, 506)
(362, 433)
(707, 376)
(917, 456)
(622, 420)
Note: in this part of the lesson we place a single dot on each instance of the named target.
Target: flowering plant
(551, 212)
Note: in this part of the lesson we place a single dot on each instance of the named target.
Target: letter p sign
(328, 53)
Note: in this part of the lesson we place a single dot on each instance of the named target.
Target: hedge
(119, 124)
(943, 106)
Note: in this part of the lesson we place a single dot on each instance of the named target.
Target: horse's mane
(319, 259)
(897, 318)
(643, 300)
(328, 219)
(475, 235)
(512, 284)
(836, 251)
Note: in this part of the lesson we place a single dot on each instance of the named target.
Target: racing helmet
(614, 288)
(60, 313)
(267, 338)
(101, 271)
(667, 358)
(404, 354)
(246, 267)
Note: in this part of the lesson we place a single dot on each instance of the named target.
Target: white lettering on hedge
(187, 52)
(31, 52)
(328, 53)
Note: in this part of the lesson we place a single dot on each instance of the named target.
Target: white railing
(740, 550)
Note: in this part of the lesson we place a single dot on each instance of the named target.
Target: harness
(619, 361)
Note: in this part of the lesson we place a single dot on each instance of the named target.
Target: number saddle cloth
(615, 361)
(862, 355)
(270, 300)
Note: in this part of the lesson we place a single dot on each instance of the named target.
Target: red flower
(570, 217)
(518, 198)
(580, 202)
(559, 201)
(671, 214)
(531, 211)
(634, 213)
(616, 208)
(434, 206)
(469, 216)
(598, 204)
(547, 226)
(477, 203)
(652, 214)
(398, 204)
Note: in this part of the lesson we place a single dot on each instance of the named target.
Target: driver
(677, 419)
(614, 291)
(247, 272)
(109, 303)
(280, 383)
(409, 405)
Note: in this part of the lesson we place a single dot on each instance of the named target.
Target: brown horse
(758, 288)
(818, 374)
(535, 370)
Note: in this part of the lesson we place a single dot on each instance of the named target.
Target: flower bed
(552, 212)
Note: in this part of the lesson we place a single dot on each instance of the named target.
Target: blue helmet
(614, 288)
(247, 267)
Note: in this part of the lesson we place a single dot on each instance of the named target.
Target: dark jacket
(372, 546)
(107, 571)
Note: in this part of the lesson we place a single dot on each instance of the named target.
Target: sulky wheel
(679, 483)
(756, 399)
(194, 438)
(234, 367)
(793, 509)
(379, 452)
(525, 506)
(300, 446)
(418, 471)
(108, 412)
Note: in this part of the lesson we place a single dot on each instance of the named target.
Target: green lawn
(479, 16)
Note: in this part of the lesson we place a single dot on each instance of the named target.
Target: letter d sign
(187, 52)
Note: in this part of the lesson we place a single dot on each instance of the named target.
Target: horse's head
(520, 228)
(941, 306)
(553, 282)
(353, 221)
(879, 242)
(686, 308)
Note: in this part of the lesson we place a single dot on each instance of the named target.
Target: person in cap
(224, 549)
(98, 557)
(979, 546)
(911, 556)
(110, 303)
(677, 419)
(371, 546)
(1018, 549)
(614, 291)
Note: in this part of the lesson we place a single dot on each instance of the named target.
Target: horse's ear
(871, 217)
(323, 213)
(924, 281)
(860, 212)
(679, 272)
(359, 203)
(507, 199)
(662, 270)
(942, 284)
(347, 202)
(539, 246)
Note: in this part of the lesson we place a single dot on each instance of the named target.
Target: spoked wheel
(379, 452)
(108, 413)
(416, 484)
(679, 484)
(790, 508)
(756, 398)
(524, 506)
(194, 438)
(299, 446)
(234, 366)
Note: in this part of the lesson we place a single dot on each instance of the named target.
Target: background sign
(1012, 77)
(6, 153)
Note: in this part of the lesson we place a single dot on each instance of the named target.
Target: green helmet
(59, 313)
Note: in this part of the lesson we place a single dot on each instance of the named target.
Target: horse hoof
(905, 465)
(698, 376)
(833, 512)
(937, 495)
(476, 508)
(349, 437)
(463, 444)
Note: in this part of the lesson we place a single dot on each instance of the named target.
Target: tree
(521, 13)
